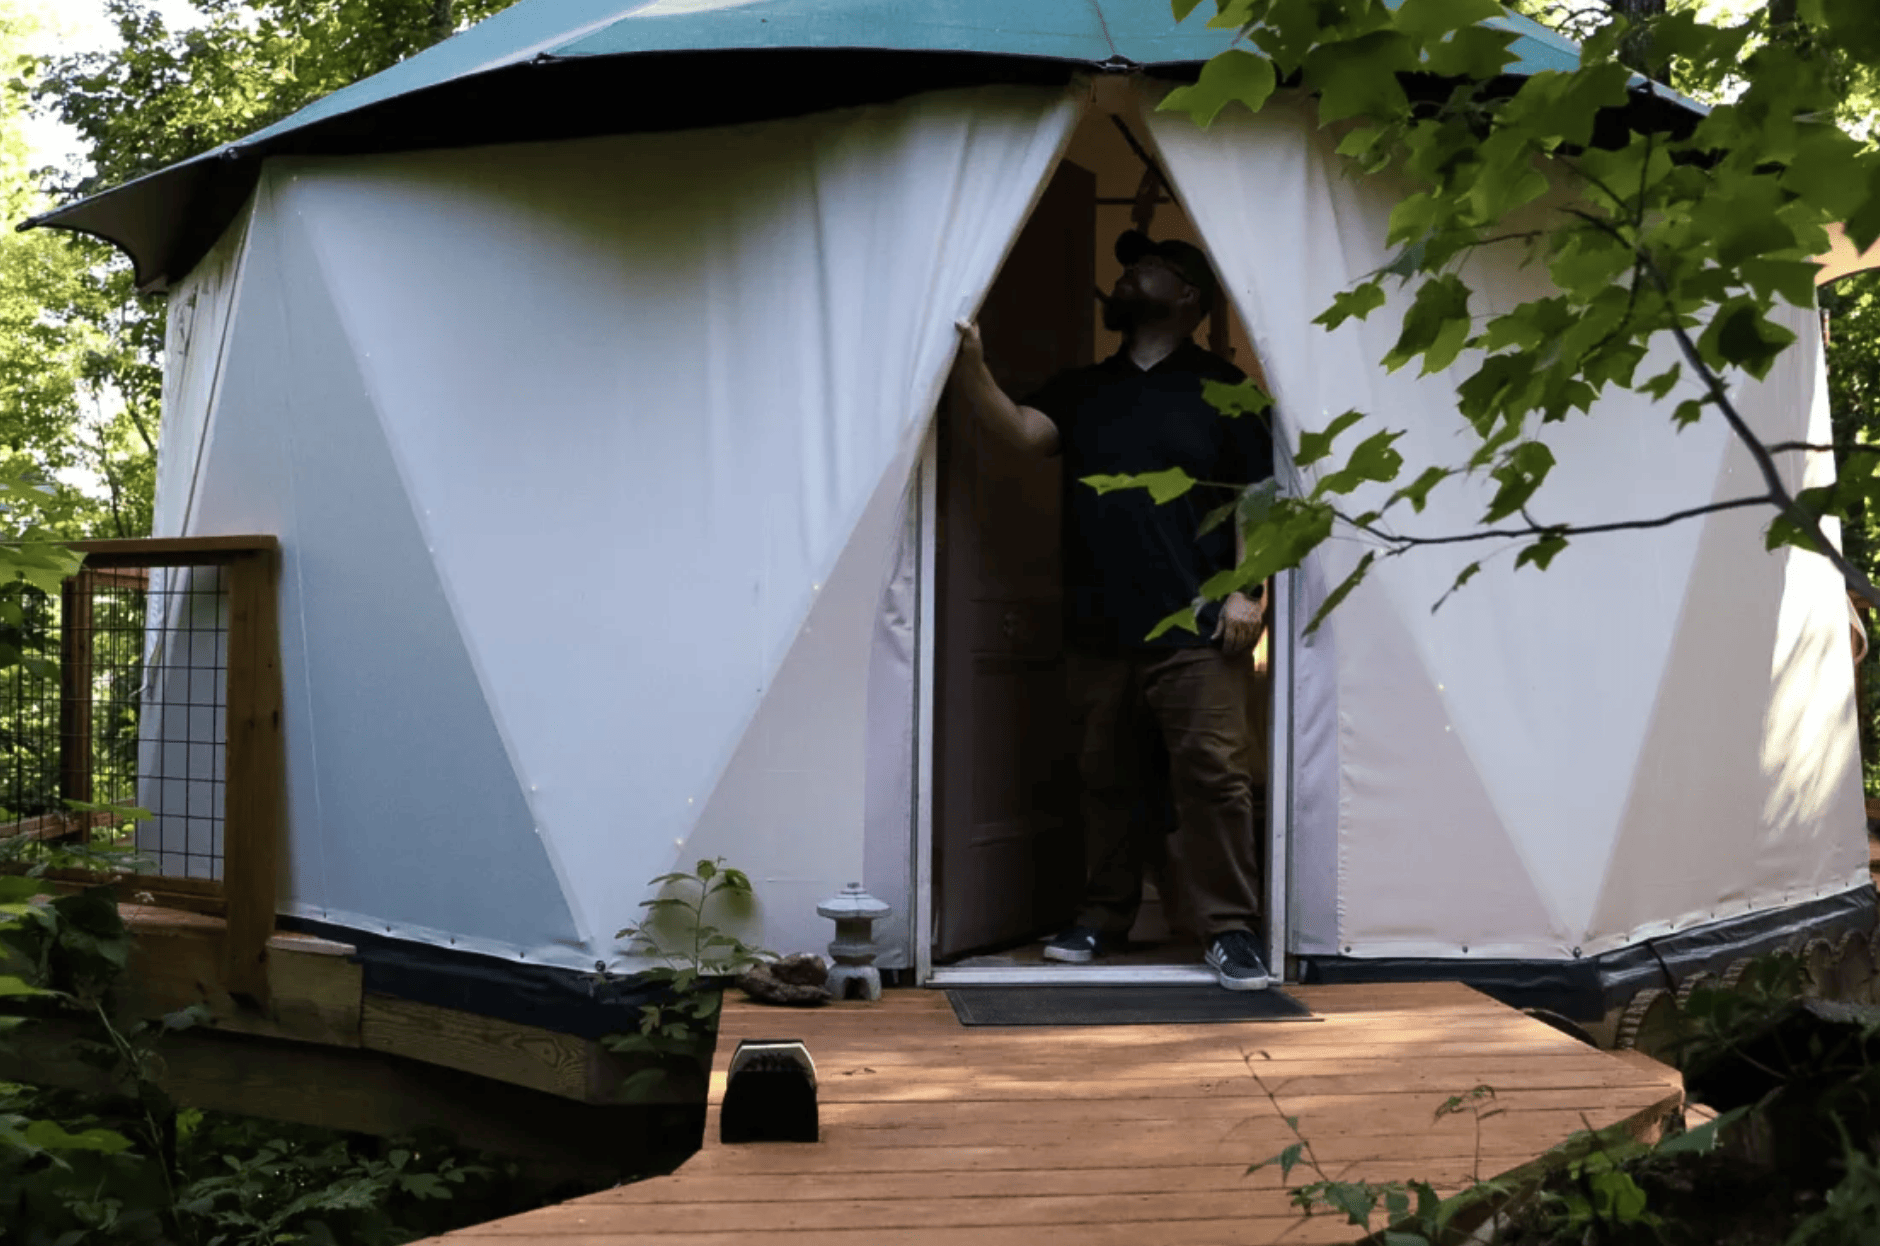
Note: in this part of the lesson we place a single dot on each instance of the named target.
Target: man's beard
(1123, 312)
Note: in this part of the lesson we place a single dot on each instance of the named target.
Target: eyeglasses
(1157, 261)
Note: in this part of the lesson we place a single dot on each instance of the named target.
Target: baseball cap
(1185, 258)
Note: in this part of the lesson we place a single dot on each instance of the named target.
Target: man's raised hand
(972, 350)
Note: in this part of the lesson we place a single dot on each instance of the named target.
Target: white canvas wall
(1656, 732)
(185, 650)
(589, 463)
(587, 460)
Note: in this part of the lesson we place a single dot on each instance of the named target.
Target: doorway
(1006, 865)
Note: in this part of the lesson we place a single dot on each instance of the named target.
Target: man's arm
(1242, 617)
(1024, 427)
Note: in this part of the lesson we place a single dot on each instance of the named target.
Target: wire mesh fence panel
(117, 702)
(30, 746)
(182, 731)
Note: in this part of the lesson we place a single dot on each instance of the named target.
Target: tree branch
(143, 429)
(1400, 543)
(1778, 495)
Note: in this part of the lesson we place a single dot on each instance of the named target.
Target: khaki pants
(1198, 706)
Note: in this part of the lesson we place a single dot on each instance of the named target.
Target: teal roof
(1095, 32)
(497, 82)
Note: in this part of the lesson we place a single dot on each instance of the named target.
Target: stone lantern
(853, 950)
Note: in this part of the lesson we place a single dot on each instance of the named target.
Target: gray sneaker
(1236, 961)
(1077, 946)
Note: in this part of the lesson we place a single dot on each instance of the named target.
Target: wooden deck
(937, 1133)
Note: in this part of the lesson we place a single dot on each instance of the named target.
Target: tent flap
(1656, 731)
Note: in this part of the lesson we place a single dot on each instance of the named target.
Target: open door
(1008, 852)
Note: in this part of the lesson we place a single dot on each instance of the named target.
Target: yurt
(589, 368)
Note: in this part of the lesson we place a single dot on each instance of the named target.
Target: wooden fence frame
(254, 764)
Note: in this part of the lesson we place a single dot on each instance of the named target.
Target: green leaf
(1703, 1139)
(1793, 280)
(1355, 1198)
(1477, 52)
(706, 871)
(13, 988)
(1819, 172)
(1216, 517)
(1589, 262)
(1315, 446)
(1356, 303)
(1436, 326)
(51, 1136)
(1663, 383)
(1293, 528)
(1617, 1198)
(1358, 77)
(1541, 552)
(1463, 577)
(1361, 143)
(1257, 501)
(1184, 619)
(1234, 76)
(1748, 236)
(642, 1084)
(1163, 486)
(1565, 104)
(1506, 178)
(1689, 412)
(1740, 335)
(1408, 261)
(1520, 473)
(1415, 217)
(1417, 492)
(15, 888)
(1245, 398)
(1863, 224)
(1344, 589)
(1182, 8)
(1373, 459)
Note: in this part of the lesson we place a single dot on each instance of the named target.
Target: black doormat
(1120, 1005)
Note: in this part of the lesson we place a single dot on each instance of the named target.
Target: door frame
(1278, 786)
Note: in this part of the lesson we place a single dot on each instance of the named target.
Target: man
(1128, 563)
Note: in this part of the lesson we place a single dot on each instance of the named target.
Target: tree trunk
(1635, 51)
(444, 21)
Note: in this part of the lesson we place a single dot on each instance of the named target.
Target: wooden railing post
(253, 769)
(75, 673)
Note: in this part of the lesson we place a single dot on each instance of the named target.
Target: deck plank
(992, 1136)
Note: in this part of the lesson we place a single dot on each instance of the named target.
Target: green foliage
(692, 959)
(1852, 1208)
(1163, 486)
(81, 351)
(123, 1165)
(321, 1190)
(1412, 1212)
(1791, 1165)
(1651, 237)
